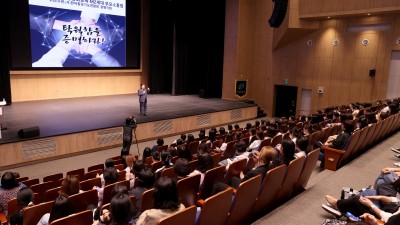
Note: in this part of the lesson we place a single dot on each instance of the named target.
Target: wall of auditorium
(42, 85)
(253, 50)
(324, 8)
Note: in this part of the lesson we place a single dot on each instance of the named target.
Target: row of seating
(360, 141)
(250, 201)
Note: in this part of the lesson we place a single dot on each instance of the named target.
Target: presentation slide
(78, 33)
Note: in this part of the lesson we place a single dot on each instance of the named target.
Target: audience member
(8, 190)
(181, 168)
(69, 186)
(166, 202)
(25, 199)
(62, 207)
(204, 163)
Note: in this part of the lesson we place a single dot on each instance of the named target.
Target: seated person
(204, 163)
(110, 177)
(183, 139)
(263, 159)
(146, 153)
(121, 209)
(25, 199)
(166, 202)
(340, 141)
(370, 219)
(160, 142)
(203, 149)
(184, 153)
(138, 166)
(256, 143)
(228, 138)
(8, 190)
(285, 153)
(301, 147)
(69, 186)
(108, 164)
(241, 153)
(166, 159)
(62, 207)
(145, 182)
(385, 205)
(181, 168)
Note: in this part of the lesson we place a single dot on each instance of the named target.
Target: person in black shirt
(128, 127)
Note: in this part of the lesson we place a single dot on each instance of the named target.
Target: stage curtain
(5, 86)
(161, 43)
(200, 29)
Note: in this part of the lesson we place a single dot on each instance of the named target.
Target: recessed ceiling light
(329, 17)
(368, 14)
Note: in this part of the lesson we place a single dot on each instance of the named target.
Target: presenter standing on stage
(142, 92)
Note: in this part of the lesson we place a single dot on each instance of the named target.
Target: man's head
(143, 86)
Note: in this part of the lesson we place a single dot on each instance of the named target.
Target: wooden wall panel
(78, 143)
(29, 87)
(324, 8)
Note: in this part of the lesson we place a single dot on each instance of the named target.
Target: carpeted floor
(305, 209)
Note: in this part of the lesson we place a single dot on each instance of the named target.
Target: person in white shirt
(241, 153)
(256, 143)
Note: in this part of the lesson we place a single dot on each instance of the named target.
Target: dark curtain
(200, 28)
(199, 46)
(5, 86)
(161, 46)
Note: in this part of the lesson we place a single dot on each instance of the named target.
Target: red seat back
(82, 200)
(291, 177)
(220, 203)
(211, 177)
(187, 190)
(81, 218)
(186, 216)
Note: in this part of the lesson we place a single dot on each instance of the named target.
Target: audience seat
(309, 165)
(122, 175)
(54, 177)
(13, 207)
(81, 201)
(193, 147)
(33, 214)
(147, 200)
(193, 165)
(41, 189)
(168, 172)
(216, 157)
(21, 179)
(78, 172)
(244, 201)
(108, 188)
(51, 194)
(96, 167)
(81, 218)
(187, 190)
(270, 187)
(217, 143)
(229, 151)
(276, 140)
(265, 142)
(220, 203)
(162, 148)
(335, 158)
(31, 182)
(235, 169)
(211, 177)
(186, 216)
(120, 167)
(291, 177)
(156, 165)
(368, 138)
(92, 174)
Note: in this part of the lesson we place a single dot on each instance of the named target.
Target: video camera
(131, 121)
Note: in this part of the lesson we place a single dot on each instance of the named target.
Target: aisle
(306, 209)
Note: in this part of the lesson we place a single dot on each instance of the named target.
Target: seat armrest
(3, 218)
(332, 157)
(200, 202)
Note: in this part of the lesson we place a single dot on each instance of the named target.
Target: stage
(70, 126)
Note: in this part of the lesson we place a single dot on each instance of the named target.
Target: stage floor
(66, 116)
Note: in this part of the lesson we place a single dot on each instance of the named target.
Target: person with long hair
(166, 202)
(62, 207)
(205, 163)
(69, 186)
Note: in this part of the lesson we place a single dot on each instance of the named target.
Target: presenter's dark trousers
(126, 146)
(143, 108)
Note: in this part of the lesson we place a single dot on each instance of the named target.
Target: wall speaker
(372, 72)
(279, 13)
(29, 132)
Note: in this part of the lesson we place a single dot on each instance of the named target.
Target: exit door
(285, 100)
